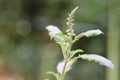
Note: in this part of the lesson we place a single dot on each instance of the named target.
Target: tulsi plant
(66, 41)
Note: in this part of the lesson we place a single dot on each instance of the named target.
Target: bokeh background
(27, 53)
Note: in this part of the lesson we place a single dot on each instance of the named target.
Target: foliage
(67, 40)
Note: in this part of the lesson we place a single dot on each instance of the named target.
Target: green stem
(66, 61)
(78, 37)
(63, 72)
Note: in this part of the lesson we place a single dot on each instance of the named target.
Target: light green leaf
(99, 59)
(59, 37)
(53, 30)
(75, 52)
(55, 33)
(91, 33)
(62, 44)
(63, 47)
(61, 64)
(56, 75)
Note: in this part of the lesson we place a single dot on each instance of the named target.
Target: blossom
(91, 33)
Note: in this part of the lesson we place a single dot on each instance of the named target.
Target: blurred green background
(27, 53)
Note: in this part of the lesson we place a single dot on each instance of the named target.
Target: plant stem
(78, 37)
(66, 61)
(63, 72)
(71, 33)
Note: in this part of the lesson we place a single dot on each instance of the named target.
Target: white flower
(91, 33)
(61, 64)
(99, 59)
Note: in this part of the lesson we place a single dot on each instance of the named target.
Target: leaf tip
(91, 33)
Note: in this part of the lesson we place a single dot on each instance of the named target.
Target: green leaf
(64, 46)
(59, 37)
(97, 58)
(55, 33)
(91, 33)
(53, 30)
(56, 75)
(75, 52)
(68, 67)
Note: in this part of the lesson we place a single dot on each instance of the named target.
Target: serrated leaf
(76, 51)
(72, 53)
(56, 75)
(53, 30)
(55, 33)
(97, 58)
(61, 64)
(91, 33)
